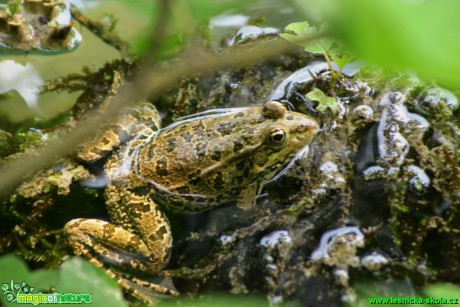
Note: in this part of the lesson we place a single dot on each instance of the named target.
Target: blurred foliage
(185, 18)
(401, 35)
(13, 7)
(221, 300)
(204, 9)
(442, 290)
(74, 276)
(110, 22)
(145, 8)
(12, 267)
(7, 145)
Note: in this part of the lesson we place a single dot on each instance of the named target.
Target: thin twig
(99, 30)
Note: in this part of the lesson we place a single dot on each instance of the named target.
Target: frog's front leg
(133, 119)
(137, 242)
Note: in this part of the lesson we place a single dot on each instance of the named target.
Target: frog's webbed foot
(120, 252)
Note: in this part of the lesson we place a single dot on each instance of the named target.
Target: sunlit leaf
(341, 57)
(321, 45)
(325, 102)
(295, 30)
(13, 7)
(298, 29)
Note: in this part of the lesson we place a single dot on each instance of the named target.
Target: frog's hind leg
(119, 252)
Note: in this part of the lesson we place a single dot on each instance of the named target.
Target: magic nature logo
(22, 293)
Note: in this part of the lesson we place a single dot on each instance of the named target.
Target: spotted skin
(130, 122)
(189, 166)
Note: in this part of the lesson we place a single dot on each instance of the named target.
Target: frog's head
(283, 135)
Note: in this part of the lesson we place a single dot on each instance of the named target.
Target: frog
(203, 161)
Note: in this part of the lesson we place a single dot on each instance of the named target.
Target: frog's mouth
(303, 152)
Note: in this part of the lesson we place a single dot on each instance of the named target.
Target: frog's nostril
(307, 124)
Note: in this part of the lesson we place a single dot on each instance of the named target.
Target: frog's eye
(277, 136)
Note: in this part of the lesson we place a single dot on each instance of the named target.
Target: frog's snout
(307, 124)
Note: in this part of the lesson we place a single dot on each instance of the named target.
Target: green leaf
(298, 29)
(295, 30)
(321, 45)
(13, 267)
(171, 45)
(341, 57)
(13, 7)
(74, 276)
(289, 37)
(217, 299)
(43, 279)
(79, 276)
(325, 102)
